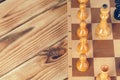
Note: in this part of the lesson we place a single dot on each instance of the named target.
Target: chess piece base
(103, 32)
(82, 30)
(98, 78)
(83, 46)
(104, 73)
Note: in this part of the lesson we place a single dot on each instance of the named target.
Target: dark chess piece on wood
(2, 1)
(117, 10)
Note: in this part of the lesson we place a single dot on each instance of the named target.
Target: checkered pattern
(101, 51)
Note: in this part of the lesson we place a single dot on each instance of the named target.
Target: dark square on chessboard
(116, 30)
(90, 71)
(74, 33)
(75, 4)
(103, 48)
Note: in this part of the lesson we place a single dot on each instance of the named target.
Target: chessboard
(102, 51)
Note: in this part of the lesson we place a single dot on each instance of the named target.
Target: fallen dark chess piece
(2, 1)
(117, 10)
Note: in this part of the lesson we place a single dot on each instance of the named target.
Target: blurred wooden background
(27, 28)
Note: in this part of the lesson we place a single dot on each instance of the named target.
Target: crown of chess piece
(104, 73)
(82, 63)
(82, 30)
(103, 29)
(117, 10)
(83, 1)
(83, 45)
(82, 13)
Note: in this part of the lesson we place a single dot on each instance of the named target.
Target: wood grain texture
(37, 69)
(12, 16)
(26, 28)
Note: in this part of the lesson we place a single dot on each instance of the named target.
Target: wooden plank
(37, 68)
(44, 33)
(14, 13)
(57, 71)
(38, 22)
(26, 70)
(44, 71)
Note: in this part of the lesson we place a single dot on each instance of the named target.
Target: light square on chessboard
(95, 15)
(103, 48)
(99, 3)
(74, 28)
(116, 31)
(112, 16)
(118, 77)
(98, 62)
(117, 48)
(94, 25)
(74, 16)
(75, 4)
(117, 62)
(82, 78)
(75, 53)
(89, 72)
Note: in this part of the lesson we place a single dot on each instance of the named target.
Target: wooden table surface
(27, 27)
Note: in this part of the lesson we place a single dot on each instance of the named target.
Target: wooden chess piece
(104, 73)
(82, 13)
(83, 45)
(117, 10)
(82, 30)
(103, 29)
(82, 64)
(82, 1)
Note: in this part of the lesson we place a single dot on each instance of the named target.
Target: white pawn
(83, 45)
(82, 64)
(82, 13)
(82, 30)
(104, 73)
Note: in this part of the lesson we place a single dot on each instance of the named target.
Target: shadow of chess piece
(103, 29)
(104, 73)
(82, 64)
(117, 10)
(83, 45)
(82, 30)
(82, 13)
